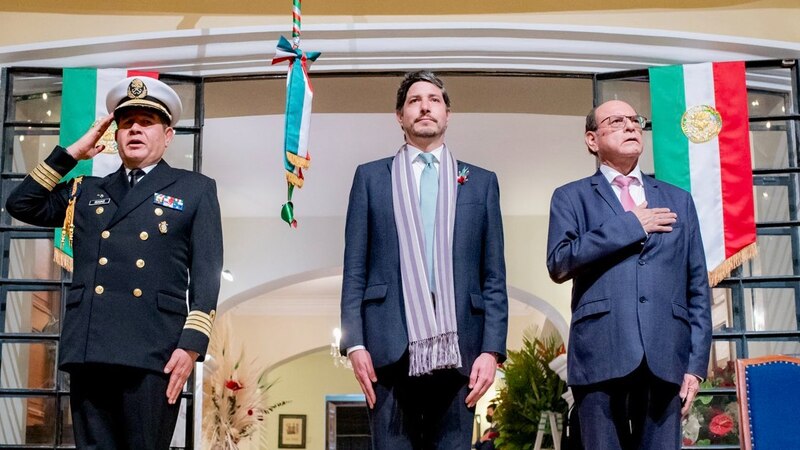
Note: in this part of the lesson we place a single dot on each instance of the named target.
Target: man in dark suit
(641, 327)
(147, 239)
(424, 304)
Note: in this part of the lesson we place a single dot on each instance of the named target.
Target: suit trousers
(636, 412)
(420, 413)
(117, 407)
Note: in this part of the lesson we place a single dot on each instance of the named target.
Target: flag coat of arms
(83, 102)
(701, 143)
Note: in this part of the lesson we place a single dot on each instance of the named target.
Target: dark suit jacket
(105, 320)
(372, 297)
(633, 295)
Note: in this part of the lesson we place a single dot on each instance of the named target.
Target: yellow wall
(305, 382)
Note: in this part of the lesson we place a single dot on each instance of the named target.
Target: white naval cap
(145, 92)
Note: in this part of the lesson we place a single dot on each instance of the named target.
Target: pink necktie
(623, 183)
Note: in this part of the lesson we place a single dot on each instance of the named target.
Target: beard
(426, 132)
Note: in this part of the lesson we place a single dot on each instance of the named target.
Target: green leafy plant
(531, 387)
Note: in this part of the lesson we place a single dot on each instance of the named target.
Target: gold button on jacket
(128, 303)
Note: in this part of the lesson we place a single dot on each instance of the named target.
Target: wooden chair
(768, 390)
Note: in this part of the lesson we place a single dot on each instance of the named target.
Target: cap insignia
(137, 89)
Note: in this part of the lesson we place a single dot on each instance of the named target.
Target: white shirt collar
(437, 153)
(610, 173)
(145, 169)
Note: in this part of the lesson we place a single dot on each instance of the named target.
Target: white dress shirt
(636, 188)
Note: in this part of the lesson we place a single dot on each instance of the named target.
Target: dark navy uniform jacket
(138, 257)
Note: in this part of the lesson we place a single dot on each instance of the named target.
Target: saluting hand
(86, 147)
(179, 367)
(655, 220)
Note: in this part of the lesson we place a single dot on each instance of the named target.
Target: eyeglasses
(618, 122)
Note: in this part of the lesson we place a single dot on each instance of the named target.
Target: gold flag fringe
(298, 161)
(62, 259)
(723, 270)
(294, 179)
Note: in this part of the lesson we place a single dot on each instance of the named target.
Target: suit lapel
(116, 185)
(603, 188)
(161, 176)
(653, 196)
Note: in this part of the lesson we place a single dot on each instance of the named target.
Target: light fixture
(754, 103)
(22, 138)
(44, 96)
(769, 125)
(765, 194)
(339, 360)
(227, 275)
(49, 113)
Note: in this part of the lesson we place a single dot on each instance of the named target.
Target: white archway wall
(762, 19)
(531, 151)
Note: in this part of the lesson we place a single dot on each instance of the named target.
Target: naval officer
(147, 243)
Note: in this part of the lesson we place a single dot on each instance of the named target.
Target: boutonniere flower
(233, 385)
(463, 175)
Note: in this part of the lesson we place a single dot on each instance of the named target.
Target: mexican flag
(83, 101)
(701, 143)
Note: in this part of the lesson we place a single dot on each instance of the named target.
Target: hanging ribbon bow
(299, 95)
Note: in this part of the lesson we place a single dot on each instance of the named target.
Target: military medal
(167, 201)
(162, 227)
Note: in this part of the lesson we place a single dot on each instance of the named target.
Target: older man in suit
(641, 328)
(147, 262)
(424, 304)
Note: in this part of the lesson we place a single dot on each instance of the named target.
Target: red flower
(249, 412)
(463, 175)
(233, 385)
(721, 424)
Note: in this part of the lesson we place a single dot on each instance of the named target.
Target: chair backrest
(768, 389)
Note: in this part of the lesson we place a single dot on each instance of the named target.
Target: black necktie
(135, 175)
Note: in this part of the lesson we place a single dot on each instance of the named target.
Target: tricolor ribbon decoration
(299, 95)
(701, 143)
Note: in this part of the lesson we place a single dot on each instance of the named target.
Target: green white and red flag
(701, 143)
(299, 97)
(83, 102)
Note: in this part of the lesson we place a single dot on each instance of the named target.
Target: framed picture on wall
(292, 431)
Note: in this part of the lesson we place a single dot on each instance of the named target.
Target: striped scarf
(432, 332)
